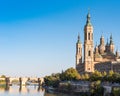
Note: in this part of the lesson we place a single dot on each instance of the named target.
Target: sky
(38, 37)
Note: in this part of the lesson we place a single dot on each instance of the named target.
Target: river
(26, 91)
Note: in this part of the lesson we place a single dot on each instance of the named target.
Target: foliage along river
(27, 91)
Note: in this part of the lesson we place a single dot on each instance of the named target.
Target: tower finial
(111, 36)
(78, 38)
(88, 23)
(111, 39)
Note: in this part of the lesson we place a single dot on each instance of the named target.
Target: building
(101, 58)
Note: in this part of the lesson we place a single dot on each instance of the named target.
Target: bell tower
(78, 51)
(88, 46)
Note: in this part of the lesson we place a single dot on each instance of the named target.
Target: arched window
(88, 36)
(89, 53)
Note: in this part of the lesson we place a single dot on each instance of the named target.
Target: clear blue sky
(38, 37)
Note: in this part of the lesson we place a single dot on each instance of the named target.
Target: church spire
(78, 39)
(88, 23)
(111, 40)
(102, 40)
(78, 51)
(107, 46)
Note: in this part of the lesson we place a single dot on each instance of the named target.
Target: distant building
(101, 58)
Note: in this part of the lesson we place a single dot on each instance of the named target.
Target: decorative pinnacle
(78, 38)
(102, 35)
(88, 19)
(111, 40)
(88, 15)
(111, 36)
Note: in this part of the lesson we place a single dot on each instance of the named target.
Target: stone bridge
(22, 80)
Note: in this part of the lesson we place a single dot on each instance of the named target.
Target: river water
(26, 91)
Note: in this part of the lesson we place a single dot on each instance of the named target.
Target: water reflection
(26, 91)
(22, 90)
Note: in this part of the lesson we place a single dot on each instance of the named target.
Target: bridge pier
(7, 81)
(39, 82)
(20, 81)
(20, 88)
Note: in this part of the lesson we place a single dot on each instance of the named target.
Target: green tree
(110, 76)
(96, 76)
(104, 74)
(111, 72)
(83, 77)
(86, 76)
(96, 89)
(116, 91)
(3, 76)
(71, 74)
(52, 80)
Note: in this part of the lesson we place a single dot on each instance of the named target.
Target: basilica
(102, 57)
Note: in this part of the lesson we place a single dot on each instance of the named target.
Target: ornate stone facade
(100, 58)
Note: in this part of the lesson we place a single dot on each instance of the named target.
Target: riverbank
(64, 90)
(85, 88)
